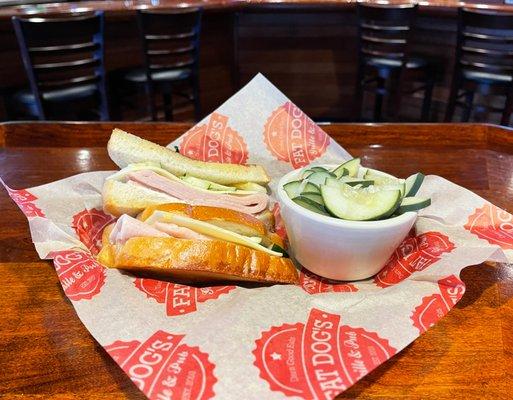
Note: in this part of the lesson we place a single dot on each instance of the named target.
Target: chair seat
(139, 75)
(486, 77)
(412, 63)
(59, 95)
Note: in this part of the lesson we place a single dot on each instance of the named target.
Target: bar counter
(291, 42)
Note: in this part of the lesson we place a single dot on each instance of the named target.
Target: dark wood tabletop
(46, 352)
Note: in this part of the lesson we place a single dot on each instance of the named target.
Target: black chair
(484, 63)
(170, 41)
(384, 62)
(64, 61)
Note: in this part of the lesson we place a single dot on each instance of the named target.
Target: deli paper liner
(309, 341)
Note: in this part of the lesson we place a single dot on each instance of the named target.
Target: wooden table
(46, 352)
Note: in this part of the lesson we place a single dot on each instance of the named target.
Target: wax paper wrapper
(310, 341)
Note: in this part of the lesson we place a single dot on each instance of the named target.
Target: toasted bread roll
(125, 148)
(235, 221)
(197, 260)
(122, 198)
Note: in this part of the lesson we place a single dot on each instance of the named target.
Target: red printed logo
(293, 137)
(25, 201)
(215, 141)
(413, 254)
(437, 305)
(312, 283)
(493, 225)
(318, 360)
(81, 276)
(89, 225)
(179, 299)
(164, 368)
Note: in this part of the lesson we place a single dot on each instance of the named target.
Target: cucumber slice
(250, 187)
(314, 197)
(217, 186)
(351, 166)
(413, 204)
(279, 249)
(340, 171)
(295, 188)
(361, 172)
(196, 182)
(356, 181)
(319, 169)
(319, 177)
(399, 185)
(310, 205)
(306, 173)
(412, 184)
(348, 181)
(359, 205)
(380, 178)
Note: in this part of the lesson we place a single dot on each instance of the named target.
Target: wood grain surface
(46, 352)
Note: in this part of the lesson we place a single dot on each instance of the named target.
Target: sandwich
(198, 244)
(151, 175)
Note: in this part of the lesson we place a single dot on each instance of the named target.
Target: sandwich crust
(197, 260)
(125, 148)
(239, 222)
(122, 198)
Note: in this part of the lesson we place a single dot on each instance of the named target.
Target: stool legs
(150, 96)
(378, 102)
(168, 105)
(197, 101)
(358, 100)
(508, 108)
(469, 100)
(426, 102)
(451, 104)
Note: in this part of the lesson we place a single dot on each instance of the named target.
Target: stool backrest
(384, 30)
(485, 41)
(170, 39)
(62, 52)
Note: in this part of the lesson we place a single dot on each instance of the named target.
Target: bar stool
(64, 61)
(170, 41)
(384, 61)
(484, 63)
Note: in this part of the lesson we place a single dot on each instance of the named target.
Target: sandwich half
(152, 174)
(197, 243)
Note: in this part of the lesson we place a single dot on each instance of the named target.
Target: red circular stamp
(434, 307)
(319, 359)
(313, 284)
(81, 276)
(215, 142)
(163, 367)
(25, 201)
(89, 226)
(293, 137)
(179, 299)
(414, 254)
(493, 225)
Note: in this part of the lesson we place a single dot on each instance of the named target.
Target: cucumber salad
(356, 193)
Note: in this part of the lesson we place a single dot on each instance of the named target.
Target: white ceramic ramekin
(339, 249)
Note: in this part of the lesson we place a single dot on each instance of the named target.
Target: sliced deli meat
(251, 204)
(128, 227)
